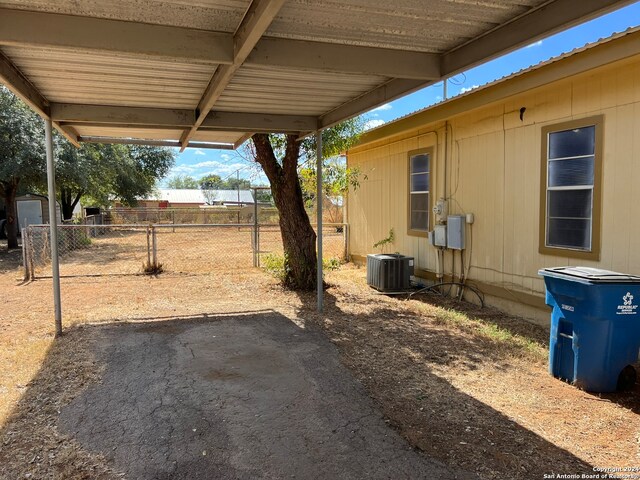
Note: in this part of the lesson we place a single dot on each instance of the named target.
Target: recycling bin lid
(588, 275)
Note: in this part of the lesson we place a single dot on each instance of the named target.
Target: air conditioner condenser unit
(389, 272)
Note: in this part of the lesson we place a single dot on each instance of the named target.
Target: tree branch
(266, 158)
(291, 155)
(77, 199)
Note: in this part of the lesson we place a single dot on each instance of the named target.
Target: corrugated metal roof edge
(440, 111)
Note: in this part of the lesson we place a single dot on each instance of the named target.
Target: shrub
(152, 268)
(275, 265)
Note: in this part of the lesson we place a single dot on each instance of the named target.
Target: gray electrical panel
(455, 232)
(438, 236)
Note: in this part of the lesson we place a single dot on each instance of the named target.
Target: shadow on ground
(237, 396)
(397, 356)
(9, 259)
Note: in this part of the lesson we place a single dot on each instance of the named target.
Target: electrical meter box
(438, 236)
(455, 232)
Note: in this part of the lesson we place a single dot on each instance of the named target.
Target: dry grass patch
(30, 444)
(471, 387)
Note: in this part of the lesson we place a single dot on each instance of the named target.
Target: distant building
(195, 198)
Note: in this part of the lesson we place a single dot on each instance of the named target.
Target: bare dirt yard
(465, 386)
(124, 250)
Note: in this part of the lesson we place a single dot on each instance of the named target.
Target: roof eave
(613, 49)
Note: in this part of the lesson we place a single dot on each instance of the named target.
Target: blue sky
(197, 163)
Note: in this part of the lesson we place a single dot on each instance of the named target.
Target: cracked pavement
(245, 396)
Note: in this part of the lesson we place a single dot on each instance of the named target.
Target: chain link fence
(96, 250)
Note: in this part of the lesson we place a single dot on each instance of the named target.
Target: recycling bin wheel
(627, 378)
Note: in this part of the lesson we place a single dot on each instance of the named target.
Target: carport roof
(209, 73)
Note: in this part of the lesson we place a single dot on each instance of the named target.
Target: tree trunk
(298, 236)
(9, 190)
(68, 202)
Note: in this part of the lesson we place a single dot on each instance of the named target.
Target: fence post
(255, 227)
(148, 246)
(155, 247)
(25, 260)
(32, 273)
(345, 236)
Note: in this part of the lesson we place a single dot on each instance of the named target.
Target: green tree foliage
(80, 171)
(216, 182)
(182, 181)
(100, 172)
(22, 156)
(137, 169)
(103, 173)
(213, 182)
(337, 178)
(237, 184)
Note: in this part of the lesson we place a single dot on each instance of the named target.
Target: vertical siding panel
(608, 87)
(594, 94)
(580, 96)
(609, 204)
(623, 86)
(621, 167)
(498, 139)
(634, 199)
(512, 185)
(528, 234)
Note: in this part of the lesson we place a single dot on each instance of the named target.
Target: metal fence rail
(95, 250)
(210, 215)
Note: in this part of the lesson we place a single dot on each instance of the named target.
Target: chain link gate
(96, 250)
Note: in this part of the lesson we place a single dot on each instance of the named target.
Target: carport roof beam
(156, 143)
(19, 84)
(43, 29)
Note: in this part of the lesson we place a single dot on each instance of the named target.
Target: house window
(419, 181)
(571, 188)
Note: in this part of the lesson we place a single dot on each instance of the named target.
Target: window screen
(419, 192)
(569, 189)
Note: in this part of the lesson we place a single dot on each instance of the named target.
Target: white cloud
(181, 169)
(373, 123)
(225, 156)
(221, 166)
(468, 89)
(199, 152)
(535, 44)
(207, 164)
(386, 106)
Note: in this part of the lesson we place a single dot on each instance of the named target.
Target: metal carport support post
(53, 224)
(319, 217)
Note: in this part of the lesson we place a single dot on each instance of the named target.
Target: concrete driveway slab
(247, 396)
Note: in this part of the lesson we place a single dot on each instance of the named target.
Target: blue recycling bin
(595, 327)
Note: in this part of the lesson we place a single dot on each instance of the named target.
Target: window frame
(412, 153)
(596, 208)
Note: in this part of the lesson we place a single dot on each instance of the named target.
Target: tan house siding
(493, 171)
